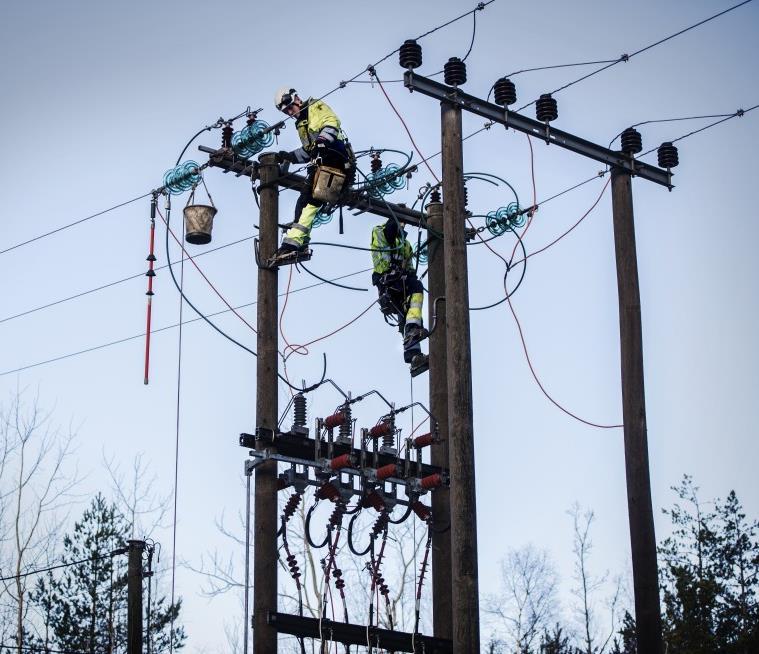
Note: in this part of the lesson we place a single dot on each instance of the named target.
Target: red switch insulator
(423, 441)
(375, 500)
(342, 461)
(422, 511)
(328, 492)
(335, 420)
(431, 481)
(390, 470)
(382, 429)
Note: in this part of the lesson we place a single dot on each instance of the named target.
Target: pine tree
(84, 607)
(710, 577)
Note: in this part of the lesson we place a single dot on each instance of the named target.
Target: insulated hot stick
(150, 274)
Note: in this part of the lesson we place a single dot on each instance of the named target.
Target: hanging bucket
(198, 223)
(328, 182)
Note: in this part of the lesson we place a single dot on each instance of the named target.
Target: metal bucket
(198, 223)
(328, 182)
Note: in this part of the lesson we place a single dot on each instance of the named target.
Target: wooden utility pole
(265, 501)
(441, 504)
(642, 536)
(466, 620)
(134, 596)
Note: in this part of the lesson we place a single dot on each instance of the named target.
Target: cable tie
(625, 57)
(740, 113)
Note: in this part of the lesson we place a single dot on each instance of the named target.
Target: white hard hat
(284, 97)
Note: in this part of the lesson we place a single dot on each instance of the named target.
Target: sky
(99, 100)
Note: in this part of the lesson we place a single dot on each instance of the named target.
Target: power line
(161, 329)
(626, 57)
(738, 114)
(110, 284)
(76, 222)
(116, 552)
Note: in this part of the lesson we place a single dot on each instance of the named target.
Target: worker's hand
(285, 156)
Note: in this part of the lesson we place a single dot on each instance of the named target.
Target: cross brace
(353, 634)
(229, 162)
(535, 128)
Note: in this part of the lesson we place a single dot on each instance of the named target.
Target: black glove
(285, 156)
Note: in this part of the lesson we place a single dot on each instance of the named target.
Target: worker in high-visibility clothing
(401, 294)
(322, 142)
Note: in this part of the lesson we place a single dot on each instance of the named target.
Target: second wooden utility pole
(642, 536)
(464, 579)
(265, 501)
(441, 502)
(134, 596)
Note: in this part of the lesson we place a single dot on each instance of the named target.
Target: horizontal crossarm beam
(362, 203)
(535, 128)
(353, 634)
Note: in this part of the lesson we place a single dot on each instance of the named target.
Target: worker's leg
(414, 332)
(298, 234)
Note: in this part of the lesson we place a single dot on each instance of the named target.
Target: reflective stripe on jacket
(384, 255)
(320, 119)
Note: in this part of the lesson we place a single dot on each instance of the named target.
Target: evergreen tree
(84, 607)
(710, 576)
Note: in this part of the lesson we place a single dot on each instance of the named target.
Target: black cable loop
(508, 268)
(326, 281)
(403, 517)
(218, 329)
(351, 546)
(308, 529)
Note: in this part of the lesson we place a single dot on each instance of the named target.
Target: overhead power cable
(626, 57)
(738, 114)
(76, 222)
(115, 283)
(480, 6)
(116, 552)
(161, 329)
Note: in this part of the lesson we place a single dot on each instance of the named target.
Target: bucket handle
(191, 199)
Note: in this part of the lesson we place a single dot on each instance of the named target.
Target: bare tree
(588, 586)
(35, 489)
(527, 603)
(136, 496)
(223, 572)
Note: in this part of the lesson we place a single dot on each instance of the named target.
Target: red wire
(296, 348)
(556, 240)
(208, 281)
(403, 122)
(511, 306)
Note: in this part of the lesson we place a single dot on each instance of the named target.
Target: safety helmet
(284, 97)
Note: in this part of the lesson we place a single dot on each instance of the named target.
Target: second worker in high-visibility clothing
(401, 294)
(322, 142)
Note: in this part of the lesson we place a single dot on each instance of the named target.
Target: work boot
(289, 254)
(413, 334)
(410, 353)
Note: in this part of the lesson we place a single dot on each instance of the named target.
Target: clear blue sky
(98, 101)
